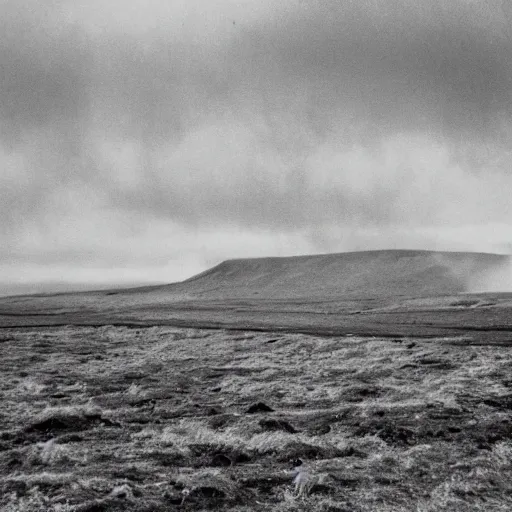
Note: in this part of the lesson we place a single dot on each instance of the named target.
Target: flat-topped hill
(391, 274)
(377, 293)
(366, 273)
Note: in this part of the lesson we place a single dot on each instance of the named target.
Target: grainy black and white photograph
(256, 255)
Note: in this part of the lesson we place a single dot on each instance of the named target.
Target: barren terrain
(150, 400)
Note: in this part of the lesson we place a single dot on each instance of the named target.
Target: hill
(366, 273)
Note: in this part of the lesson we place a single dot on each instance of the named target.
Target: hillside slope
(367, 273)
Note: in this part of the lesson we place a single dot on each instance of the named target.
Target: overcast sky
(144, 141)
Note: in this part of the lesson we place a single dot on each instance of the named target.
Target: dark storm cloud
(401, 65)
(44, 72)
(349, 73)
(294, 117)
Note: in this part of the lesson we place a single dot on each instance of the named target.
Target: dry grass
(156, 418)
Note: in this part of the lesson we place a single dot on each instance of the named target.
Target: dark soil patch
(489, 434)
(222, 420)
(320, 430)
(68, 422)
(174, 498)
(259, 407)
(502, 403)
(6, 435)
(207, 492)
(321, 489)
(321, 424)
(166, 458)
(56, 424)
(352, 452)
(17, 486)
(360, 393)
(70, 438)
(220, 460)
(105, 505)
(130, 473)
(265, 481)
(299, 450)
(269, 424)
(390, 432)
(60, 394)
(440, 364)
(208, 455)
(347, 482)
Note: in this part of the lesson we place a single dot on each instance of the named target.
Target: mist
(497, 279)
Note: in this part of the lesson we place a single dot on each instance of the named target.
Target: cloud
(319, 123)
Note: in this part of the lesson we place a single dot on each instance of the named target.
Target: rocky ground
(100, 418)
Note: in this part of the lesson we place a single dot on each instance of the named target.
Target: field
(163, 418)
(166, 399)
